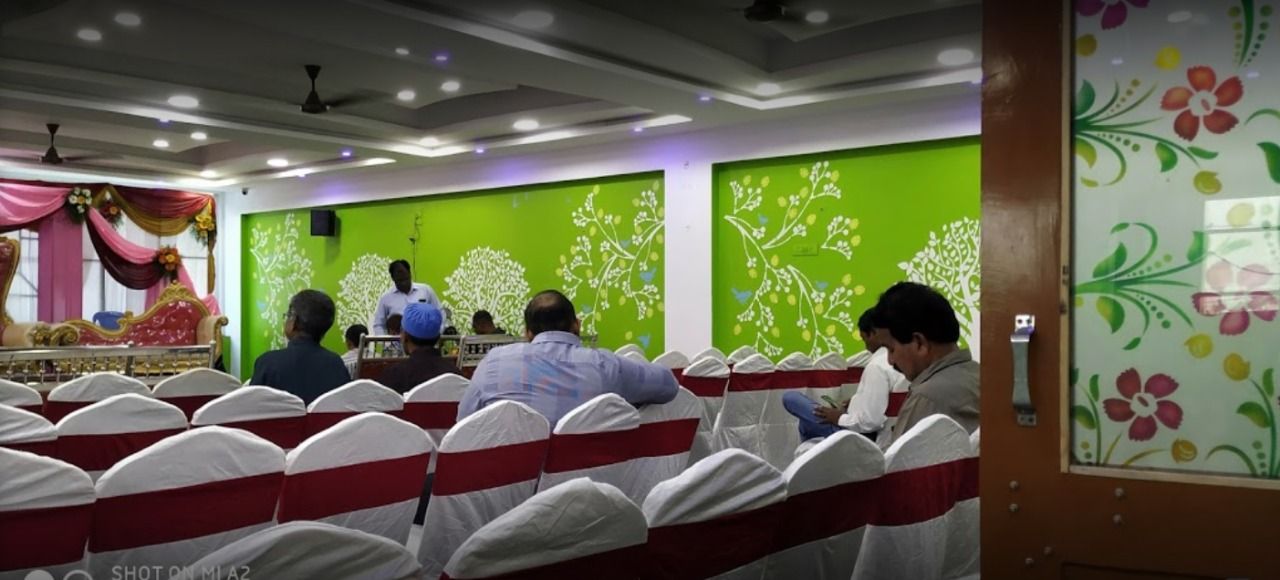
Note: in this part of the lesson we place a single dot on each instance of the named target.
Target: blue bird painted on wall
(821, 285)
(742, 295)
(648, 275)
(644, 340)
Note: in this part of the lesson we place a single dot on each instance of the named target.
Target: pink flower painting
(1236, 296)
(1143, 404)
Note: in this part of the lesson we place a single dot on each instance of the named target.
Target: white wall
(686, 160)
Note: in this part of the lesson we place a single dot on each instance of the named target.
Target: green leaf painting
(1272, 153)
(1084, 416)
(1255, 413)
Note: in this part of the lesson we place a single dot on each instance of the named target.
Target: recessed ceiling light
(479, 150)
(128, 19)
(768, 89)
(704, 98)
(533, 19)
(89, 34)
(406, 95)
(450, 86)
(955, 56)
(163, 121)
(199, 135)
(160, 143)
(429, 141)
(402, 51)
(637, 129)
(1253, 74)
(208, 174)
(525, 125)
(442, 57)
(817, 17)
(1179, 16)
(377, 161)
(347, 153)
(1117, 61)
(184, 101)
(278, 162)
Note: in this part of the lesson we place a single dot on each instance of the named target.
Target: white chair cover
(579, 529)
(739, 424)
(365, 473)
(353, 398)
(690, 532)
(829, 373)
(433, 405)
(20, 396)
(707, 378)
(272, 414)
(914, 538)
(80, 392)
(975, 441)
(662, 444)
(192, 389)
(489, 463)
(182, 498)
(740, 354)
(303, 550)
(594, 440)
(780, 430)
(830, 494)
(629, 348)
(26, 431)
(672, 359)
(712, 352)
(53, 538)
(635, 356)
(99, 436)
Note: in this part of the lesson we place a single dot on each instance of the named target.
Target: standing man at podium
(404, 293)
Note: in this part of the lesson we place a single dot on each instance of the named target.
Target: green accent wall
(803, 245)
(600, 241)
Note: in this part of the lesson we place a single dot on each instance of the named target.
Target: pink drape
(134, 266)
(61, 278)
(23, 205)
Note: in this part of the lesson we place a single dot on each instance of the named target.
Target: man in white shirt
(865, 412)
(404, 293)
(352, 356)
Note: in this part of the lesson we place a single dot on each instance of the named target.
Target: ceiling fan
(51, 156)
(771, 11)
(313, 105)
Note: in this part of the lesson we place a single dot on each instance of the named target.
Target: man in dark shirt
(482, 323)
(419, 331)
(304, 368)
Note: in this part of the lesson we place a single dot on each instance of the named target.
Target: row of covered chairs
(188, 391)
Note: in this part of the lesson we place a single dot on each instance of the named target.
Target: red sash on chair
(35, 538)
(468, 471)
(188, 403)
(286, 432)
(712, 547)
(431, 414)
(54, 411)
(100, 452)
(321, 493)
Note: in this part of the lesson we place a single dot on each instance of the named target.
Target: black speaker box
(324, 222)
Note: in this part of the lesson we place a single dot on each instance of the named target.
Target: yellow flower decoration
(1236, 368)
(1183, 451)
(1200, 345)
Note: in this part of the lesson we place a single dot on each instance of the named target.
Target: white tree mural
(360, 289)
(282, 270)
(950, 263)
(606, 269)
(822, 312)
(488, 279)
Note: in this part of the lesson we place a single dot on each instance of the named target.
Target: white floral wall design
(488, 279)
(823, 312)
(360, 289)
(950, 264)
(282, 270)
(606, 268)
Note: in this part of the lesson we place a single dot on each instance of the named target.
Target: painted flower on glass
(1236, 296)
(1202, 102)
(1143, 405)
(1114, 12)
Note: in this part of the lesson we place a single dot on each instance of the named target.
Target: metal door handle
(1024, 325)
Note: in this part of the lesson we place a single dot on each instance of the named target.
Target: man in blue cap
(419, 331)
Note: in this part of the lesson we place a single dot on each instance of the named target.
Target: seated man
(482, 323)
(352, 337)
(922, 337)
(553, 373)
(865, 412)
(420, 329)
(303, 368)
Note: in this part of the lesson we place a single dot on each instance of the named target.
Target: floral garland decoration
(204, 228)
(78, 203)
(168, 259)
(110, 211)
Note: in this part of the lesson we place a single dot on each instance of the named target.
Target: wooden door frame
(1038, 515)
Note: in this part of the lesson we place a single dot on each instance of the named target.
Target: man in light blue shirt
(554, 373)
(404, 293)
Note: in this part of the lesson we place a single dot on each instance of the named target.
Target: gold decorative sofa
(178, 318)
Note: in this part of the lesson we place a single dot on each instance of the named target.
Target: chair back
(579, 529)
(672, 359)
(739, 423)
(81, 392)
(828, 376)
(98, 436)
(740, 354)
(631, 348)
(272, 414)
(662, 444)
(349, 400)
(718, 519)
(832, 490)
(46, 510)
(190, 494)
(433, 405)
(594, 440)
(191, 389)
(707, 378)
(26, 431)
(780, 429)
(634, 356)
(712, 352)
(21, 396)
(365, 473)
(975, 441)
(488, 464)
(314, 550)
(854, 366)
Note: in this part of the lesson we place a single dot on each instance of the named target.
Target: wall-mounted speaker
(324, 222)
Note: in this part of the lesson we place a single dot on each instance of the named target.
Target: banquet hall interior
(844, 239)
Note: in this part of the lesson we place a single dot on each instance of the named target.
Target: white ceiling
(598, 70)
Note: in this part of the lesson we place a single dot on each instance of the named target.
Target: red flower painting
(1114, 12)
(1143, 405)
(1236, 296)
(1202, 102)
